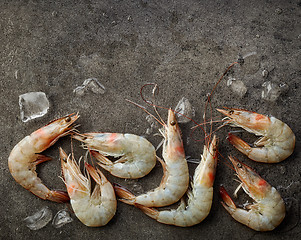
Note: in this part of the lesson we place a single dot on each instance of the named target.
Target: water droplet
(278, 10)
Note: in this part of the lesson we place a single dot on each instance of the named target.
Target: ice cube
(33, 105)
(272, 91)
(80, 90)
(61, 218)
(185, 108)
(237, 86)
(153, 124)
(90, 84)
(39, 220)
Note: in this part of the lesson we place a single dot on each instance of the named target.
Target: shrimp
(267, 212)
(176, 176)
(138, 155)
(199, 200)
(25, 156)
(277, 141)
(93, 210)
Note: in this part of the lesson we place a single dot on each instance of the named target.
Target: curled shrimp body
(277, 141)
(267, 212)
(138, 155)
(176, 176)
(93, 210)
(24, 157)
(199, 199)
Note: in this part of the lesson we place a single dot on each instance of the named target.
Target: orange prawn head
(78, 186)
(255, 186)
(46, 136)
(173, 144)
(250, 121)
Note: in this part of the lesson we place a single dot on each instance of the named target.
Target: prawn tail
(96, 174)
(101, 158)
(228, 203)
(58, 196)
(239, 144)
(41, 158)
(124, 194)
(151, 212)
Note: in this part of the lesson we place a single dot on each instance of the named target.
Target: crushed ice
(61, 218)
(272, 91)
(90, 84)
(185, 108)
(237, 86)
(39, 220)
(33, 105)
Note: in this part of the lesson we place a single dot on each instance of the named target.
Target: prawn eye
(65, 159)
(231, 112)
(172, 123)
(239, 165)
(68, 119)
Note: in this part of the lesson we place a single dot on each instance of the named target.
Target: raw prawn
(277, 141)
(200, 198)
(267, 212)
(93, 210)
(24, 157)
(176, 176)
(138, 155)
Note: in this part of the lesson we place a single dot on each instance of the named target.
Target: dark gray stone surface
(184, 47)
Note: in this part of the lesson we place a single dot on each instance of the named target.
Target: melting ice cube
(272, 91)
(184, 108)
(90, 84)
(39, 219)
(61, 218)
(33, 105)
(153, 124)
(237, 86)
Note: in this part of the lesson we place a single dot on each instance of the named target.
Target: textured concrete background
(183, 46)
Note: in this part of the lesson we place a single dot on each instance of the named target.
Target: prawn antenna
(144, 109)
(208, 101)
(225, 161)
(155, 92)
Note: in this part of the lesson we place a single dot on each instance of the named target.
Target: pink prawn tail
(124, 194)
(239, 144)
(58, 196)
(151, 212)
(227, 200)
